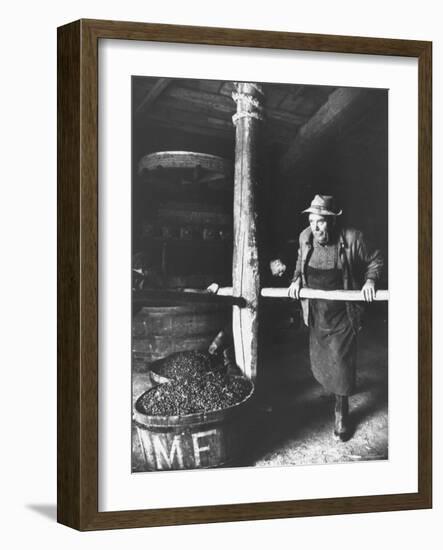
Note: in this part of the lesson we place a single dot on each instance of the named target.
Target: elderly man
(331, 257)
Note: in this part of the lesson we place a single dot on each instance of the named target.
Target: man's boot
(341, 426)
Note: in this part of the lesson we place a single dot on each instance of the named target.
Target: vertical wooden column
(245, 266)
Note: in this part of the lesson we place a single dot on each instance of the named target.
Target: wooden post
(245, 265)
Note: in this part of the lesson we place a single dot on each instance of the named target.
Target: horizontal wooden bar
(155, 297)
(338, 295)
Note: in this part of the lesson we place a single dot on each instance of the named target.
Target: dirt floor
(298, 427)
(293, 423)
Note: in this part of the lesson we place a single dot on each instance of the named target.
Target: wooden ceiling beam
(217, 102)
(285, 117)
(191, 127)
(169, 107)
(180, 115)
(339, 106)
(154, 93)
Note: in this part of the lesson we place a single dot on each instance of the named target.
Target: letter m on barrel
(185, 450)
(166, 452)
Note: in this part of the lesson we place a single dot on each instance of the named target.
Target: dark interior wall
(350, 163)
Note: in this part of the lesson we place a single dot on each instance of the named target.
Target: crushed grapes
(194, 386)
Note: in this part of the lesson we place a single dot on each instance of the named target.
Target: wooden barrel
(198, 440)
(158, 331)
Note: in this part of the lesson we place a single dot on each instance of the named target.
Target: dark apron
(332, 342)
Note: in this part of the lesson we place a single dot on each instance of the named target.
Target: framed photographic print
(244, 274)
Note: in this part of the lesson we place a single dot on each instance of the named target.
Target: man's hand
(294, 289)
(368, 290)
(277, 267)
(213, 288)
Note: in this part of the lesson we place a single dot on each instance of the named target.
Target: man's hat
(323, 205)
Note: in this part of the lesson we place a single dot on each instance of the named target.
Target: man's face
(278, 268)
(321, 227)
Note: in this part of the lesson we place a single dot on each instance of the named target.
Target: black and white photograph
(259, 274)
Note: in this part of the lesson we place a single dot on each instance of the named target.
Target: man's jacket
(357, 260)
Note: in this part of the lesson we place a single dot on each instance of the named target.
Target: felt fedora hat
(323, 205)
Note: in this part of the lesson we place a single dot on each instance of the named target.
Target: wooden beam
(154, 93)
(194, 108)
(171, 117)
(155, 296)
(225, 294)
(200, 101)
(339, 105)
(216, 102)
(221, 134)
(285, 117)
(337, 295)
(245, 264)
